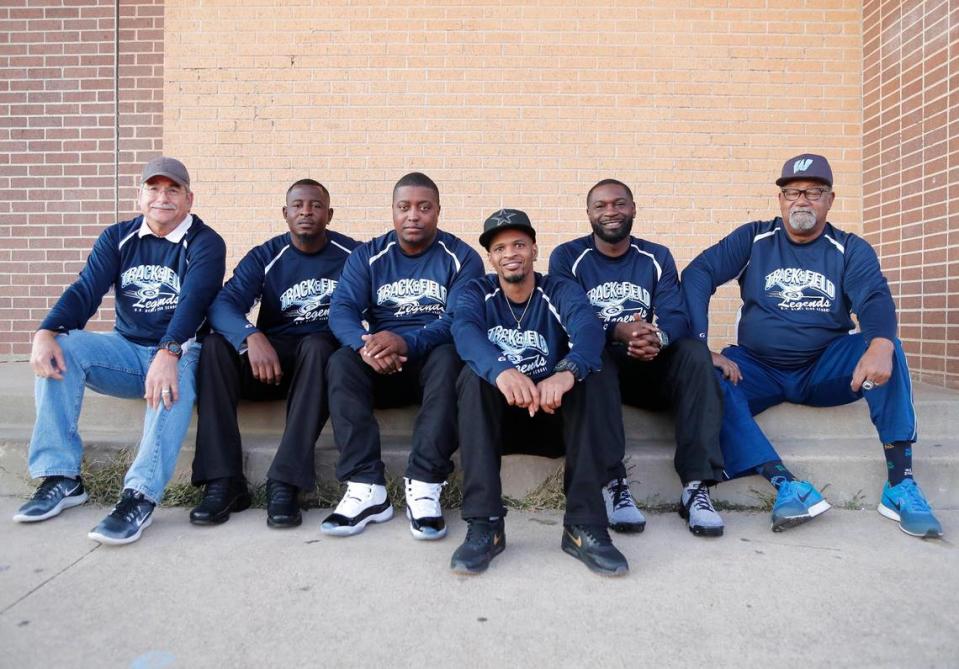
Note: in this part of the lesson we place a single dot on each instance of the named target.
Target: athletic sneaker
(363, 503)
(906, 503)
(53, 495)
(423, 509)
(796, 503)
(592, 546)
(485, 539)
(621, 509)
(696, 507)
(132, 514)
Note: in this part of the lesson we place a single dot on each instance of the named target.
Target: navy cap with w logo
(806, 166)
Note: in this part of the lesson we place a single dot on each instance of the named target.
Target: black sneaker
(282, 505)
(485, 539)
(132, 514)
(220, 497)
(53, 495)
(593, 547)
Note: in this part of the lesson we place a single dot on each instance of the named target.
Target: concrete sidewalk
(848, 589)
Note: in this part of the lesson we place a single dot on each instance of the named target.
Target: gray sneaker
(696, 507)
(54, 494)
(621, 509)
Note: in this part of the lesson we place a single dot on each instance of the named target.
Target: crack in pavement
(43, 583)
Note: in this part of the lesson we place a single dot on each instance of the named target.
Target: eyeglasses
(812, 194)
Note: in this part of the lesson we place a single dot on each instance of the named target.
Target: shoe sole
(283, 525)
(627, 528)
(350, 530)
(110, 541)
(616, 573)
(891, 514)
(816, 509)
(699, 530)
(237, 506)
(462, 569)
(63, 505)
(420, 535)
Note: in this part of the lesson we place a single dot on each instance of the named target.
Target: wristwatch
(566, 365)
(171, 347)
(663, 338)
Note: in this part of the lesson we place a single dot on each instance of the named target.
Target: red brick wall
(911, 172)
(59, 179)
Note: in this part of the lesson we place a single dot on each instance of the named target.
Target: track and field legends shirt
(797, 298)
(405, 294)
(557, 322)
(294, 289)
(163, 285)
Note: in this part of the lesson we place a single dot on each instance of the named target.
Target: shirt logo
(802, 165)
(800, 289)
(152, 287)
(412, 296)
(526, 350)
(611, 300)
(308, 300)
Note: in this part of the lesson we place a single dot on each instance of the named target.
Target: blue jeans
(825, 383)
(111, 365)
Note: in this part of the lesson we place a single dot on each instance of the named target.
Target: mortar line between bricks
(40, 585)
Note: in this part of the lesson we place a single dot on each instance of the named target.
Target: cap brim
(782, 181)
(488, 235)
(171, 177)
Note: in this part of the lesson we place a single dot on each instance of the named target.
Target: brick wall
(911, 172)
(522, 105)
(60, 180)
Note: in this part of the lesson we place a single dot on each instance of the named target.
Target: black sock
(775, 472)
(898, 461)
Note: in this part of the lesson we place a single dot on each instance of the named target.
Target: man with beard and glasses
(800, 280)
(533, 383)
(292, 277)
(632, 283)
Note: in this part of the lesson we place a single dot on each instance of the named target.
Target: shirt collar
(175, 237)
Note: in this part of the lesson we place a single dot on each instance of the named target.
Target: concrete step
(835, 447)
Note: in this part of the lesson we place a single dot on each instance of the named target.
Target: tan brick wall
(911, 172)
(522, 105)
(58, 157)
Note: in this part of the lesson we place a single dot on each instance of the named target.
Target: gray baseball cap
(505, 219)
(171, 168)
(806, 166)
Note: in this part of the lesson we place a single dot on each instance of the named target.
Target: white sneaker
(424, 510)
(363, 503)
(621, 510)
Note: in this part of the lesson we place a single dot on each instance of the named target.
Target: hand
(264, 362)
(161, 376)
(729, 368)
(382, 344)
(46, 358)
(875, 365)
(519, 390)
(641, 338)
(552, 389)
(384, 363)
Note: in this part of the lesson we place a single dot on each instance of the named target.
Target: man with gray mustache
(800, 280)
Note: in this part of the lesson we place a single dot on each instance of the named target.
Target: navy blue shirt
(163, 285)
(405, 294)
(642, 282)
(293, 288)
(797, 298)
(558, 323)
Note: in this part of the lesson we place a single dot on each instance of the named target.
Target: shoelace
(700, 499)
(280, 493)
(914, 499)
(419, 490)
(480, 531)
(620, 493)
(126, 509)
(598, 534)
(48, 488)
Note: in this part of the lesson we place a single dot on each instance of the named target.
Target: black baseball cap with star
(505, 219)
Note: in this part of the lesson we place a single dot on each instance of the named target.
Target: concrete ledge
(836, 447)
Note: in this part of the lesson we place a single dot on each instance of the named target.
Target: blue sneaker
(54, 494)
(906, 504)
(796, 503)
(132, 514)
